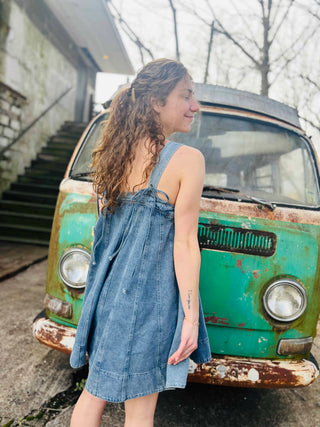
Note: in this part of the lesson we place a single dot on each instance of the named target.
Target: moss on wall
(5, 8)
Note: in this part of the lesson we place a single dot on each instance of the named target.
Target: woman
(140, 318)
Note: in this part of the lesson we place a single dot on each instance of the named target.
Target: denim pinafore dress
(132, 315)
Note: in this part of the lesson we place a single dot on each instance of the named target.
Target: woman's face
(177, 113)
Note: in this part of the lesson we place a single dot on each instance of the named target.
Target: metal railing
(30, 126)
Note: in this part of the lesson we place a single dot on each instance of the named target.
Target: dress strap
(165, 155)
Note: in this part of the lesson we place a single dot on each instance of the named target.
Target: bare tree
(269, 44)
(268, 55)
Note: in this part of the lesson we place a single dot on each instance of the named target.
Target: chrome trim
(294, 284)
(63, 257)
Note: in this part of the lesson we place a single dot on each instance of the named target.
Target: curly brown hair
(132, 119)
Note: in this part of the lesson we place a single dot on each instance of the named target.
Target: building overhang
(92, 28)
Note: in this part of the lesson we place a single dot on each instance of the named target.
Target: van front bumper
(229, 371)
(54, 335)
(254, 373)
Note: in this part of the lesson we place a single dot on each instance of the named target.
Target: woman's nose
(194, 106)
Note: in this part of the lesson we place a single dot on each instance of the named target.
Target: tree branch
(311, 12)
(131, 33)
(247, 25)
(174, 13)
(226, 33)
(311, 122)
(209, 53)
(296, 41)
(285, 15)
(309, 80)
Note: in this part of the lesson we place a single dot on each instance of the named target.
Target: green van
(259, 234)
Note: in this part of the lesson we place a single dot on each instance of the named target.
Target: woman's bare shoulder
(186, 155)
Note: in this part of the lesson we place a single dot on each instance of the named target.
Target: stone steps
(27, 207)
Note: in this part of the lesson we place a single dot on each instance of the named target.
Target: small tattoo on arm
(189, 299)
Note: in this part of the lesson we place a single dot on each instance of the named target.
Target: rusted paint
(214, 319)
(256, 274)
(251, 210)
(239, 264)
(54, 335)
(255, 373)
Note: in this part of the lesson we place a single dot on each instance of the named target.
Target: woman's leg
(140, 411)
(88, 411)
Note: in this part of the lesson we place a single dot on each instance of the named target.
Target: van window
(244, 155)
(254, 159)
(81, 164)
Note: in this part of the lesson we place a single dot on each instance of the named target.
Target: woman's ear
(155, 103)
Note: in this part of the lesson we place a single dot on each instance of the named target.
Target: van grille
(232, 239)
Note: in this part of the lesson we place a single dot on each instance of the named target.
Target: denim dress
(132, 314)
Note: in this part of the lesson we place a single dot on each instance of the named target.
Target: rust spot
(215, 319)
(239, 264)
(241, 325)
(256, 274)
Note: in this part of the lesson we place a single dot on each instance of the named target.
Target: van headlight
(73, 267)
(285, 300)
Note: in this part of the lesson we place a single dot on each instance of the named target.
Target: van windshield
(242, 156)
(255, 159)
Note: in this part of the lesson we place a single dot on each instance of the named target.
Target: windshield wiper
(269, 205)
(236, 192)
(220, 189)
(79, 175)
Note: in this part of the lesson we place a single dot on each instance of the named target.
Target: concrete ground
(15, 258)
(38, 388)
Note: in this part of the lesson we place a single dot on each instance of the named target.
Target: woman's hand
(188, 343)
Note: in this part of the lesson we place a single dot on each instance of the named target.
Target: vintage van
(259, 234)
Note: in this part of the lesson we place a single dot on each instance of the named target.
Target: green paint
(73, 224)
(232, 286)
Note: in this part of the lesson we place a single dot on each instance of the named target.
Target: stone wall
(33, 73)
(11, 106)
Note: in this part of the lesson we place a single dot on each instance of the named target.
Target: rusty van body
(259, 234)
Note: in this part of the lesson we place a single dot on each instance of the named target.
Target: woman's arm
(186, 247)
